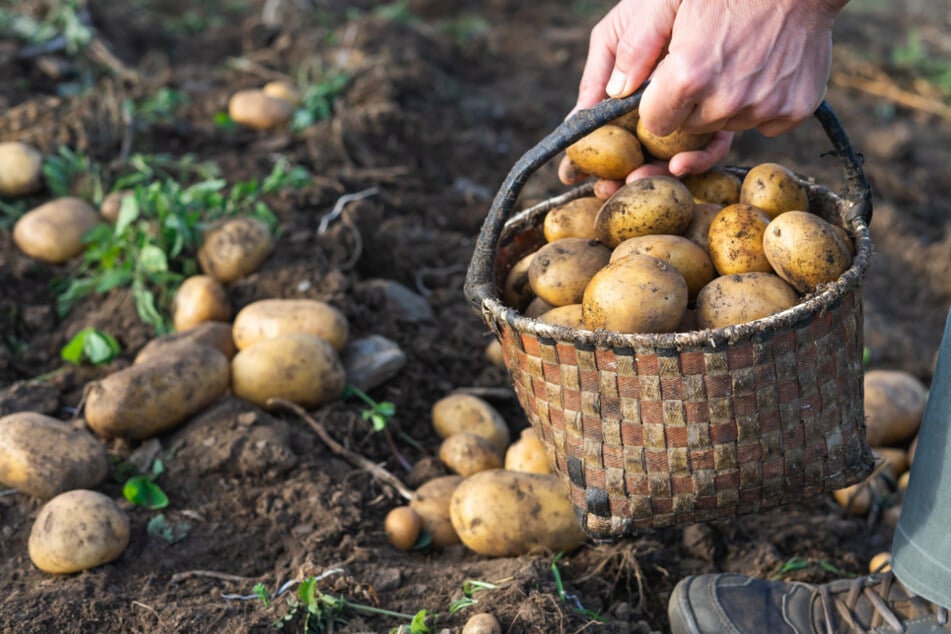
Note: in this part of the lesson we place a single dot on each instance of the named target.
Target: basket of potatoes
(689, 349)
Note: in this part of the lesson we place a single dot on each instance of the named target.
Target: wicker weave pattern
(659, 437)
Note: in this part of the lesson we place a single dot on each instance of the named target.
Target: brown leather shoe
(733, 604)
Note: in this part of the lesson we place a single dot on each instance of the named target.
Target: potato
(628, 121)
(402, 527)
(21, 169)
(76, 531)
(255, 109)
(882, 562)
(609, 152)
(736, 240)
(112, 204)
(714, 186)
(560, 270)
(432, 504)
(894, 404)
(656, 204)
(699, 228)
(774, 189)
(298, 367)
(667, 146)
(537, 307)
(235, 249)
(43, 457)
(517, 291)
(527, 454)
(283, 90)
(467, 453)
(507, 513)
(857, 499)
(805, 250)
(737, 299)
(458, 413)
(635, 294)
(269, 318)
(200, 298)
(493, 353)
(690, 260)
(152, 397)
(574, 219)
(846, 238)
(569, 316)
(53, 232)
(896, 460)
(482, 623)
(215, 334)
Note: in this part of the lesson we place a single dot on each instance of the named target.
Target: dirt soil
(440, 103)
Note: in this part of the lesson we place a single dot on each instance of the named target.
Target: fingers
(568, 172)
(604, 189)
(703, 159)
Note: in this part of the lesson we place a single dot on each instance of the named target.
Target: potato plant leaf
(142, 491)
(91, 345)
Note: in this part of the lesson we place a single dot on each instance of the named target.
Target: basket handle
(480, 283)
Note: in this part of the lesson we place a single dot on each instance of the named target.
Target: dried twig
(892, 92)
(188, 574)
(339, 206)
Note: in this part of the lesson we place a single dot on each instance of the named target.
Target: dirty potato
(560, 270)
(537, 307)
(21, 169)
(774, 189)
(894, 404)
(669, 145)
(699, 228)
(255, 109)
(53, 232)
(235, 249)
(402, 526)
(735, 240)
(609, 152)
(527, 454)
(269, 318)
(805, 250)
(467, 453)
(200, 298)
(569, 316)
(215, 334)
(737, 299)
(714, 186)
(656, 204)
(432, 505)
(690, 260)
(460, 413)
(517, 292)
(574, 219)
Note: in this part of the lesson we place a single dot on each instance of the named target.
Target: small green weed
(469, 589)
(142, 490)
(62, 19)
(92, 345)
(915, 58)
(796, 563)
(71, 173)
(318, 98)
(571, 599)
(160, 528)
(379, 414)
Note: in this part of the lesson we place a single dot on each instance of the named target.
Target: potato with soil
(894, 404)
(774, 189)
(467, 454)
(805, 250)
(561, 270)
(461, 413)
(508, 513)
(199, 299)
(735, 240)
(537, 307)
(402, 526)
(255, 109)
(699, 228)
(667, 146)
(574, 219)
(715, 186)
(297, 367)
(737, 299)
(690, 260)
(43, 456)
(215, 334)
(149, 398)
(655, 204)
(53, 232)
(527, 454)
(635, 294)
(235, 249)
(76, 531)
(432, 505)
(269, 318)
(569, 316)
(493, 353)
(482, 623)
(21, 169)
(283, 90)
(517, 292)
(609, 152)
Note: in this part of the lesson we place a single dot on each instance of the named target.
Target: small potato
(574, 219)
(896, 460)
(43, 457)
(235, 249)
(655, 204)
(466, 454)
(482, 623)
(736, 240)
(882, 562)
(53, 232)
(21, 169)
(537, 307)
(894, 404)
(714, 186)
(699, 228)
(561, 270)
(736, 299)
(508, 513)
(493, 353)
(112, 204)
(269, 318)
(667, 146)
(774, 189)
(459, 413)
(254, 109)
(402, 527)
(215, 334)
(297, 367)
(152, 397)
(517, 291)
(569, 316)
(805, 250)
(283, 90)
(527, 454)
(857, 499)
(432, 504)
(690, 260)
(635, 294)
(78, 530)
(609, 152)
(200, 298)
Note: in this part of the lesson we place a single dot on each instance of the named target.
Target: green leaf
(418, 624)
(93, 345)
(72, 352)
(261, 591)
(142, 491)
(307, 591)
(158, 526)
(129, 211)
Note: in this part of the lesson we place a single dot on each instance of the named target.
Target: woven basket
(653, 430)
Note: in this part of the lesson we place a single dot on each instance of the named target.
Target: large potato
(53, 232)
(635, 294)
(43, 456)
(269, 318)
(690, 260)
(805, 250)
(527, 454)
(656, 204)
(667, 146)
(235, 249)
(152, 397)
(714, 186)
(467, 453)
(200, 298)
(699, 228)
(255, 109)
(574, 219)
(432, 505)
(609, 152)
(894, 404)
(561, 270)
(736, 299)
(508, 513)
(459, 413)
(517, 291)
(78, 530)
(774, 189)
(21, 169)
(569, 315)
(215, 334)
(735, 240)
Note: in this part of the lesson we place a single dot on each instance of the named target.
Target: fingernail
(615, 84)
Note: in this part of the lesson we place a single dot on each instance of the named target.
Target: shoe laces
(878, 590)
